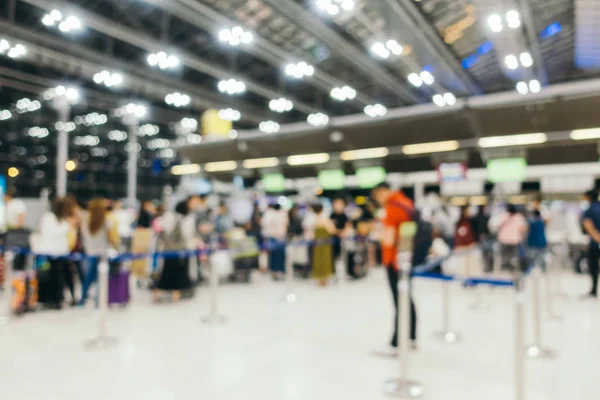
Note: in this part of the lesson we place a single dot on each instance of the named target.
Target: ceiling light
(269, 127)
(235, 36)
(333, 7)
(585, 134)
(375, 110)
(299, 70)
(13, 172)
(344, 93)
(177, 99)
(526, 59)
(136, 110)
(117, 136)
(4, 115)
(185, 169)
(513, 19)
(443, 100)
(12, 51)
(233, 134)
(522, 88)
(308, 159)
(70, 165)
(65, 24)
(163, 60)
(535, 86)
(71, 94)
(433, 147)
(92, 119)
(65, 126)
(511, 62)
(254, 163)
(512, 140)
(88, 140)
(229, 114)
(380, 50)
(189, 123)
(220, 166)
(231, 86)
(108, 79)
(158, 144)
(426, 77)
(415, 80)
(149, 130)
(495, 23)
(281, 105)
(318, 119)
(193, 138)
(37, 132)
(25, 105)
(378, 152)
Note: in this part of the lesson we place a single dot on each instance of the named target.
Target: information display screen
(368, 177)
(452, 172)
(507, 169)
(332, 179)
(273, 182)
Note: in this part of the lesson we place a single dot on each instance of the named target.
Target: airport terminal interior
(299, 199)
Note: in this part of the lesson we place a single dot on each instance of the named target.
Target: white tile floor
(317, 349)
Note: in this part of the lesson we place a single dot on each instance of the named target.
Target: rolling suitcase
(118, 288)
(25, 292)
(358, 259)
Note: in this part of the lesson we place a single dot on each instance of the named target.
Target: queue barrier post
(290, 295)
(342, 262)
(519, 339)
(9, 258)
(549, 296)
(446, 334)
(102, 340)
(537, 350)
(403, 386)
(213, 317)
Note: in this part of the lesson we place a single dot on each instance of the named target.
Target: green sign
(273, 182)
(332, 179)
(507, 169)
(368, 177)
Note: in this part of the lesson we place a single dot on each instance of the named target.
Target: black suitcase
(357, 262)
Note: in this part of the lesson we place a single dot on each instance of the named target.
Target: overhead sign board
(451, 171)
(273, 183)
(369, 177)
(332, 179)
(507, 169)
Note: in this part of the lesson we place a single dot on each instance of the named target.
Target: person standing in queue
(340, 220)
(591, 224)
(398, 210)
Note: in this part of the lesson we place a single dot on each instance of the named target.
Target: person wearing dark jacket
(480, 223)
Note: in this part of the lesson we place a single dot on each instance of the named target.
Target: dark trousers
(593, 257)
(393, 280)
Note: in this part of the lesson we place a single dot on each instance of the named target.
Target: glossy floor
(317, 349)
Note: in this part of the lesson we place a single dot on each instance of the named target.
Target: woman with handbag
(99, 236)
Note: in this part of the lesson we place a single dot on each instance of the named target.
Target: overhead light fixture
(513, 19)
(158, 144)
(235, 36)
(255, 163)
(318, 119)
(427, 77)
(585, 134)
(70, 93)
(13, 172)
(12, 50)
(343, 93)
(65, 126)
(415, 79)
(87, 140)
(163, 60)
(4, 115)
(299, 70)
(386, 49)
(185, 169)
(533, 86)
(92, 119)
(269, 127)
(149, 130)
(136, 110)
(308, 159)
(37, 132)
(26, 105)
(433, 147)
(220, 166)
(512, 140)
(108, 79)
(231, 86)
(70, 165)
(511, 62)
(229, 114)
(375, 110)
(64, 24)
(495, 23)
(117, 136)
(351, 155)
(526, 59)
(334, 7)
(443, 100)
(281, 105)
(177, 99)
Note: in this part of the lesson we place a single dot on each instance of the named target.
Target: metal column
(132, 164)
(62, 151)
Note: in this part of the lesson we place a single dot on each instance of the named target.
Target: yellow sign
(213, 125)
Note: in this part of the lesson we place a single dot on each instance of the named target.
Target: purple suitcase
(118, 288)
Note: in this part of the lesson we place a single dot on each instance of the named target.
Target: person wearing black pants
(591, 223)
(593, 264)
(393, 276)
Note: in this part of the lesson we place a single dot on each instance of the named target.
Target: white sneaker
(386, 352)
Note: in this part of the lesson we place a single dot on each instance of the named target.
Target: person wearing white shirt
(15, 210)
(274, 225)
(54, 242)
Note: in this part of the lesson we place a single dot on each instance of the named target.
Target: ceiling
(451, 40)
